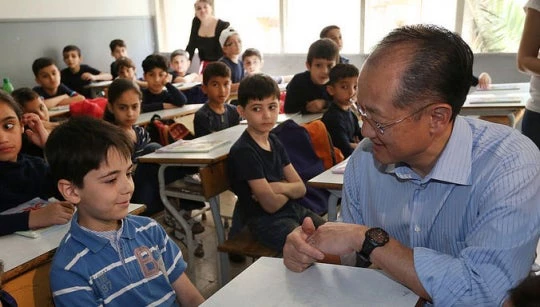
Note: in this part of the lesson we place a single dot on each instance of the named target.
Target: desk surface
(187, 109)
(502, 96)
(21, 254)
(59, 111)
(201, 158)
(328, 180)
(269, 283)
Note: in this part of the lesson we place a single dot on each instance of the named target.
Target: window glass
(257, 22)
(493, 26)
(382, 16)
(306, 18)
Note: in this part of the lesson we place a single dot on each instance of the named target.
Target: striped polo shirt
(88, 271)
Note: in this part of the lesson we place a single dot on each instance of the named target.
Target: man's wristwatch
(374, 237)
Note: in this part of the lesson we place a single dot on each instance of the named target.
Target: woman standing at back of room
(205, 31)
(529, 63)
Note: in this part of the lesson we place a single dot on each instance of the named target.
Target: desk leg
(190, 243)
(332, 206)
(223, 261)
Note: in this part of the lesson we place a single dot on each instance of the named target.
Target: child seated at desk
(179, 68)
(260, 173)
(216, 114)
(118, 50)
(306, 92)
(50, 88)
(155, 97)
(253, 64)
(339, 119)
(109, 257)
(231, 44)
(126, 70)
(24, 177)
(78, 76)
(123, 110)
(31, 102)
(333, 32)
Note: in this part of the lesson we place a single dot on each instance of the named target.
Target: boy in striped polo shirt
(109, 258)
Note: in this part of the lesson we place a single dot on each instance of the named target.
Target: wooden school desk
(27, 263)
(267, 282)
(214, 181)
(504, 99)
(184, 110)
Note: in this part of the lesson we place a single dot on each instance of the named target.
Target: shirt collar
(454, 163)
(93, 242)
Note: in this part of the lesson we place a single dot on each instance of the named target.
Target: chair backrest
(297, 143)
(322, 143)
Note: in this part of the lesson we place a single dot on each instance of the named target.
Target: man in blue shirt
(446, 205)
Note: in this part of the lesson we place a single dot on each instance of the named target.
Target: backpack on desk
(166, 131)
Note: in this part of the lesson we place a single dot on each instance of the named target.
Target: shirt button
(417, 228)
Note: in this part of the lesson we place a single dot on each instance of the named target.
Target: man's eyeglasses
(380, 127)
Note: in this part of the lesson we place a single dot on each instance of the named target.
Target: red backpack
(166, 131)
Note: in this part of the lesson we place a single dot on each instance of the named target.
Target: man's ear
(441, 116)
(69, 191)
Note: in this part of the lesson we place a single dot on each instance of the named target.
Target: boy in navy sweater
(155, 97)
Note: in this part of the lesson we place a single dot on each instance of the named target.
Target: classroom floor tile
(205, 275)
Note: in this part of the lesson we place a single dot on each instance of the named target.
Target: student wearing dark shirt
(77, 76)
(260, 171)
(118, 50)
(306, 92)
(53, 92)
(216, 114)
(155, 98)
(232, 48)
(23, 177)
(333, 32)
(340, 121)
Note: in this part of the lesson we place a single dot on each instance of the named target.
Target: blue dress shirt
(473, 222)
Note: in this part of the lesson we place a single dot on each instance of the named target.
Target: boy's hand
(316, 106)
(167, 105)
(35, 131)
(88, 76)
(168, 79)
(56, 213)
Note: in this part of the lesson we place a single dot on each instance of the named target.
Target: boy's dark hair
(155, 61)
(341, 71)
(323, 48)
(252, 52)
(41, 63)
(69, 48)
(258, 87)
(5, 98)
(216, 69)
(526, 294)
(115, 90)
(325, 30)
(124, 62)
(24, 95)
(81, 144)
(117, 43)
(178, 52)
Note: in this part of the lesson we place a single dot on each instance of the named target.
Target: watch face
(377, 236)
